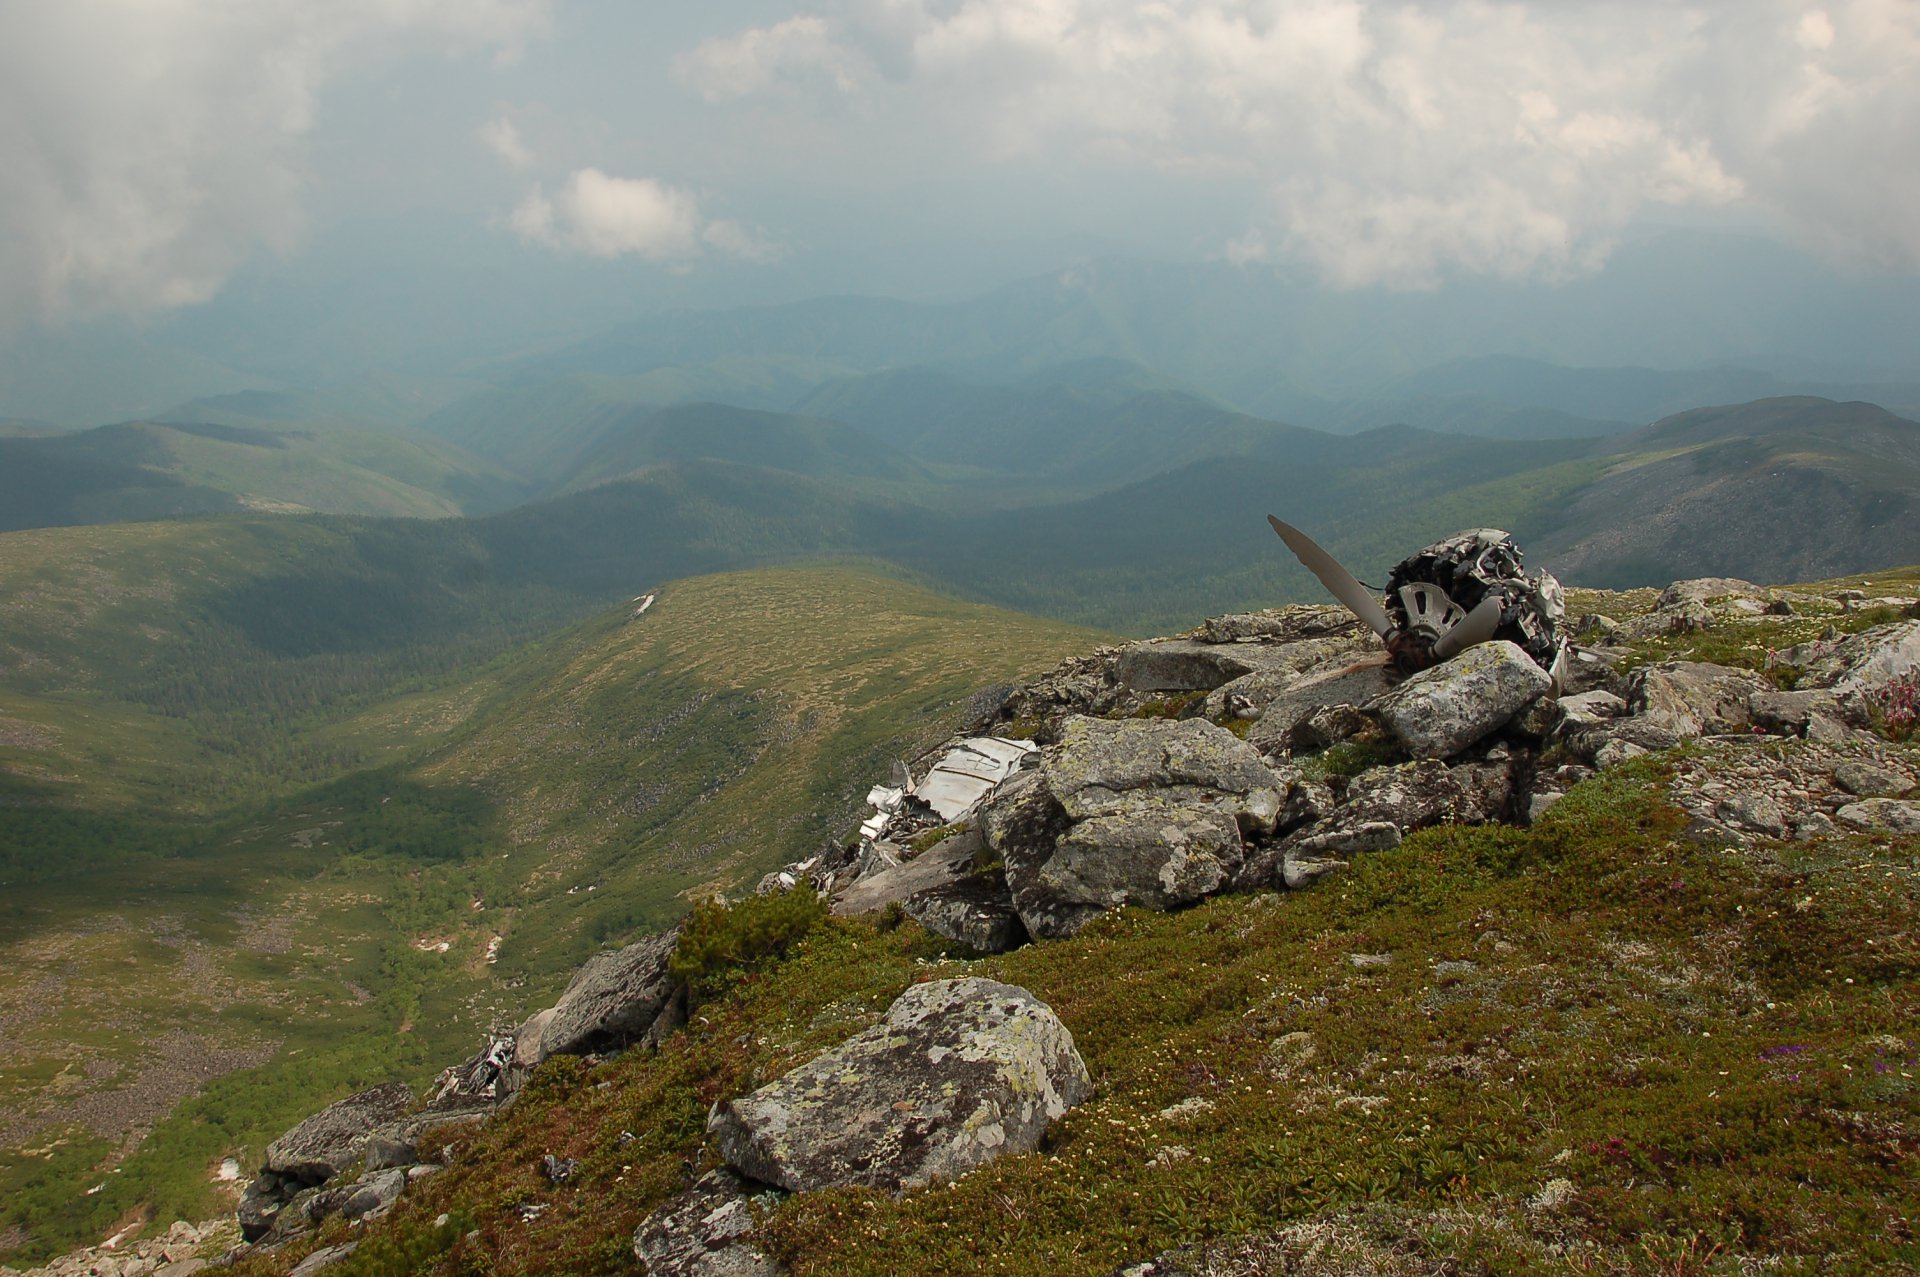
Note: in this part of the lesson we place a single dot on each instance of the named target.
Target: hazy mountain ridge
(171, 468)
(1780, 487)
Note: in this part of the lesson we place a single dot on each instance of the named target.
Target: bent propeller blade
(1339, 582)
(1476, 626)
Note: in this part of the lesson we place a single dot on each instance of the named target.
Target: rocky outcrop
(960, 1072)
(328, 1142)
(286, 1197)
(1439, 712)
(619, 998)
(976, 911)
(1284, 707)
(1145, 812)
(1691, 698)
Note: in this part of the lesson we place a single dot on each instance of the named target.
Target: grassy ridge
(552, 803)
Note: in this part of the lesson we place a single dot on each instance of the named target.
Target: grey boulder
(948, 862)
(619, 998)
(1151, 851)
(1427, 792)
(1900, 816)
(706, 1231)
(976, 911)
(1693, 698)
(325, 1144)
(1100, 761)
(1144, 812)
(1859, 662)
(959, 1073)
(1441, 711)
(1296, 700)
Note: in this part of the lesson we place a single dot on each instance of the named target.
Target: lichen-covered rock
(1414, 795)
(960, 1072)
(1707, 589)
(1869, 780)
(1859, 662)
(1099, 762)
(1023, 814)
(1788, 713)
(1311, 852)
(374, 1192)
(949, 861)
(1283, 625)
(1141, 811)
(1180, 665)
(322, 1146)
(1152, 851)
(1693, 698)
(1883, 815)
(1290, 702)
(324, 1258)
(976, 911)
(613, 1001)
(261, 1202)
(706, 1231)
(1440, 711)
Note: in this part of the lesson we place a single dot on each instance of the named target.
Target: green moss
(1349, 757)
(930, 838)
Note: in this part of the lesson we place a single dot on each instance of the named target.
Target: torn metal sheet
(951, 789)
(968, 773)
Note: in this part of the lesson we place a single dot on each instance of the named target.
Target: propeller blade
(1339, 582)
(1476, 626)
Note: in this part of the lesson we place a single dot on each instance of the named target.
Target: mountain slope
(1622, 1038)
(638, 439)
(373, 923)
(1777, 489)
(158, 469)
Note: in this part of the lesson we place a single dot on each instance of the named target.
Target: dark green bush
(722, 940)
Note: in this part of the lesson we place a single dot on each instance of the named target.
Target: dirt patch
(17, 734)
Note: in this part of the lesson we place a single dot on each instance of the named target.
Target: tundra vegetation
(294, 807)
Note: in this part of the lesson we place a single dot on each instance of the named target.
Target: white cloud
(744, 242)
(501, 137)
(758, 58)
(603, 216)
(147, 148)
(1395, 141)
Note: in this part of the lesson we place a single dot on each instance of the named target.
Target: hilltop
(1657, 1022)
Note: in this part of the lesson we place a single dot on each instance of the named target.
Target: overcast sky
(150, 149)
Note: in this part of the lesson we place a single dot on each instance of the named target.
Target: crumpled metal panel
(968, 773)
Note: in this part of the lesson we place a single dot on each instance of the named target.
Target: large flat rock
(960, 1072)
(1100, 761)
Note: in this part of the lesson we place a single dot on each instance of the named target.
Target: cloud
(1393, 142)
(501, 137)
(147, 149)
(757, 59)
(603, 216)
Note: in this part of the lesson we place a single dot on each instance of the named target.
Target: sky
(152, 152)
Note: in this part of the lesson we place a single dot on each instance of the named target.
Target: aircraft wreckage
(1470, 588)
(1467, 589)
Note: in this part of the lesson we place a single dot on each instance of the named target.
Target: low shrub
(721, 940)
